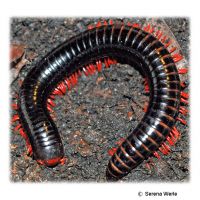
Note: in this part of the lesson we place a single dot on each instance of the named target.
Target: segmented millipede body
(85, 53)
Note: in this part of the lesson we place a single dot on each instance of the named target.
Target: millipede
(102, 45)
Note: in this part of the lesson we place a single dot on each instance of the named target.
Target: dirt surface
(95, 114)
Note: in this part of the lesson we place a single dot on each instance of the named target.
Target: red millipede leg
(182, 70)
(88, 71)
(92, 69)
(111, 22)
(28, 144)
(170, 140)
(106, 63)
(67, 82)
(147, 28)
(62, 87)
(90, 27)
(136, 25)
(146, 86)
(50, 162)
(129, 24)
(165, 149)
(168, 44)
(15, 118)
(183, 84)
(183, 110)
(111, 62)
(184, 95)
(184, 122)
(146, 104)
(175, 132)
(164, 38)
(112, 151)
(74, 79)
(51, 102)
(98, 24)
(57, 92)
(63, 161)
(85, 71)
(157, 155)
(99, 66)
(158, 34)
(184, 101)
(120, 141)
(149, 164)
(17, 127)
(40, 162)
(177, 57)
(14, 106)
(173, 137)
(105, 23)
(172, 50)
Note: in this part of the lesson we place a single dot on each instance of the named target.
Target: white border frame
(74, 8)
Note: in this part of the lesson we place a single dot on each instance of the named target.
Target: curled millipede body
(106, 43)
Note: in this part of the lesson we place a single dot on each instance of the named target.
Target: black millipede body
(127, 45)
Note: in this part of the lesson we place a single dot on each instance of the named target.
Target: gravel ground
(95, 114)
